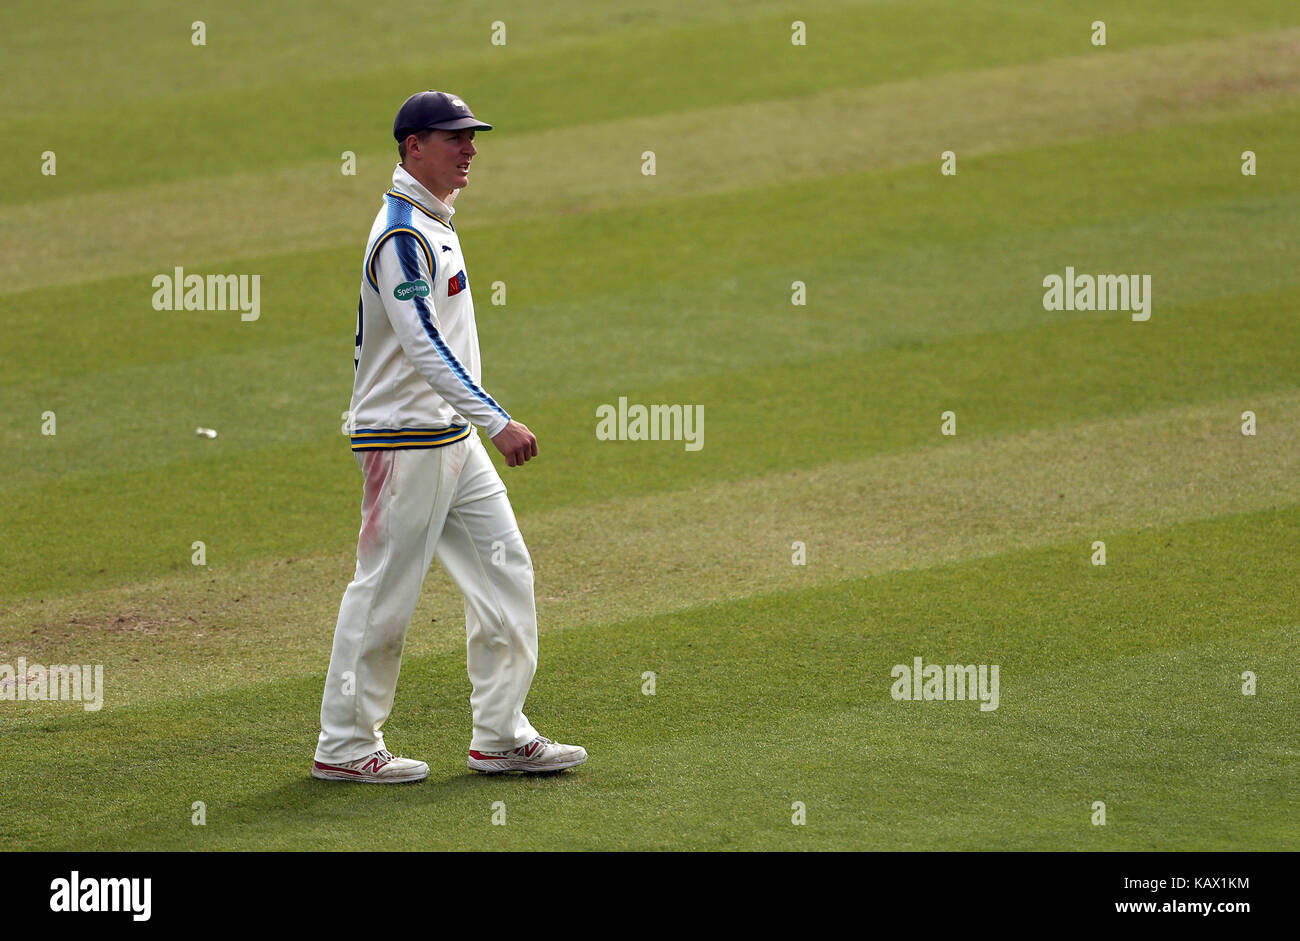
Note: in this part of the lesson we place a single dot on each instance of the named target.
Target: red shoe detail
(324, 767)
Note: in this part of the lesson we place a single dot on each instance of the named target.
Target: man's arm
(404, 279)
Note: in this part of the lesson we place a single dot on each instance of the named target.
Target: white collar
(408, 185)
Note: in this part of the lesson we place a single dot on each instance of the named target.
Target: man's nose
(470, 150)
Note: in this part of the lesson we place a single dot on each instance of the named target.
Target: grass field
(775, 163)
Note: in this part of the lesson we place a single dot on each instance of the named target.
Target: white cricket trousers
(447, 502)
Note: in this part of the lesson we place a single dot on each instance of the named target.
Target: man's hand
(516, 442)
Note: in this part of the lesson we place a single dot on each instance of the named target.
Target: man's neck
(445, 197)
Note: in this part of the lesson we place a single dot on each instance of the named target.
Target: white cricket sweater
(417, 379)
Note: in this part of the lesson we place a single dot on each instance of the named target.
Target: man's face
(446, 156)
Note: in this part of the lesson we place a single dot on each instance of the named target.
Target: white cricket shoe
(538, 756)
(377, 768)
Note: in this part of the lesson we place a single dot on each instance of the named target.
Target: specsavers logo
(409, 289)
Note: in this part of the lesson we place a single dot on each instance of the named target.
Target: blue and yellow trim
(380, 439)
(389, 233)
(411, 270)
(397, 195)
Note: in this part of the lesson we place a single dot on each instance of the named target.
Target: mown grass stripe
(958, 255)
(146, 102)
(129, 510)
(530, 176)
(1118, 684)
(918, 509)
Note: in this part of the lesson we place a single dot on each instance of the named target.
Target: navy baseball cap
(437, 110)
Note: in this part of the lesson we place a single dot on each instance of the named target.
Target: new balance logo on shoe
(376, 768)
(539, 756)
